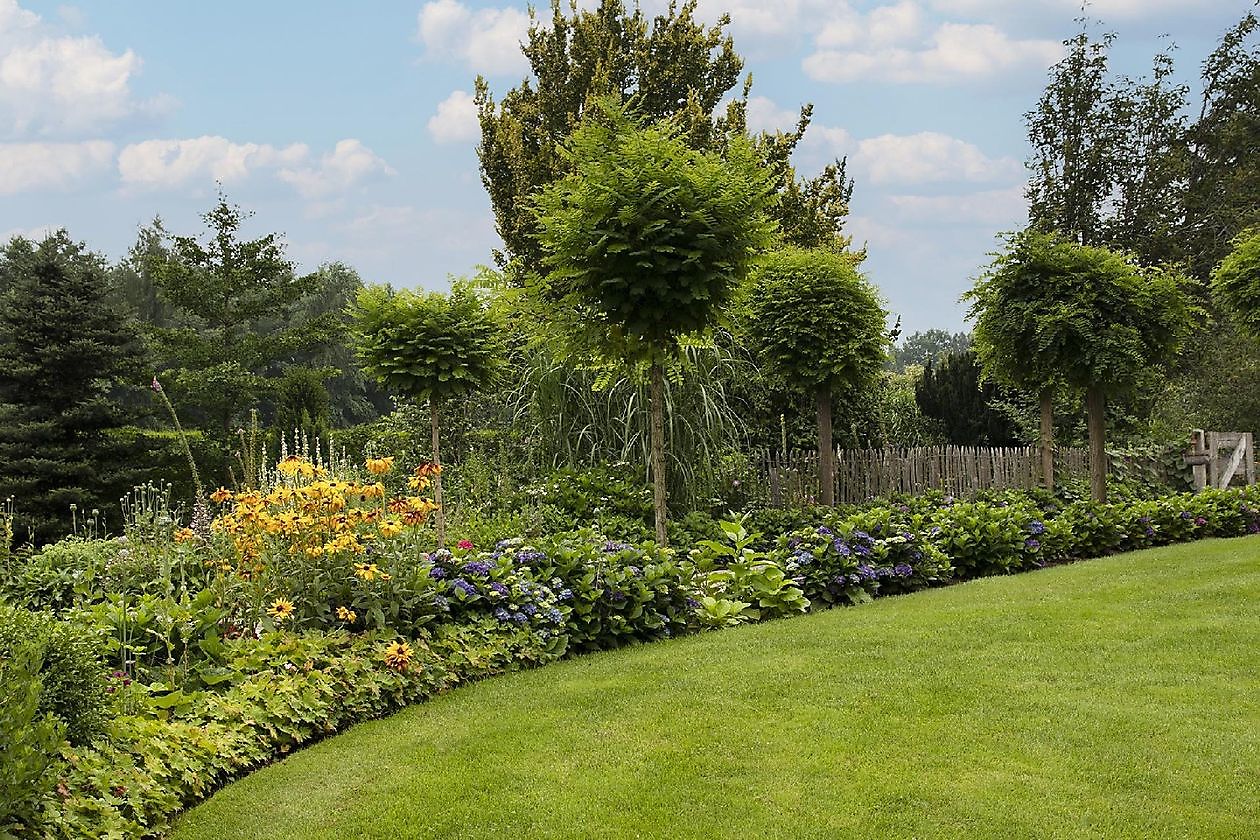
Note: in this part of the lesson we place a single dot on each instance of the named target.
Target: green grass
(1114, 698)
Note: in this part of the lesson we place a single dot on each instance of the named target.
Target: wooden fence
(863, 474)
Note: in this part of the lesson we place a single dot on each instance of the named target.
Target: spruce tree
(65, 349)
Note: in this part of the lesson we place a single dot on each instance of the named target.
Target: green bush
(71, 669)
(29, 740)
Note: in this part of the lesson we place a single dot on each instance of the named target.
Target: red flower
(464, 544)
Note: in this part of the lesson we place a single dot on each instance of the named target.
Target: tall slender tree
(647, 240)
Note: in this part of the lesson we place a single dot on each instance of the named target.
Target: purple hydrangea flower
(1036, 528)
(530, 555)
(565, 595)
(477, 568)
(866, 572)
(502, 614)
(441, 602)
(520, 618)
(612, 546)
(903, 570)
(437, 573)
(1032, 544)
(555, 616)
(841, 547)
(464, 586)
(824, 531)
(500, 590)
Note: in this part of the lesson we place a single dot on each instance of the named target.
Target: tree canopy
(1236, 282)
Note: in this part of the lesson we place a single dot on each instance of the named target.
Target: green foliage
(1050, 311)
(817, 321)
(928, 346)
(302, 402)
(29, 740)
(1236, 283)
(426, 345)
(730, 572)
(65, 349)
(1109, 160)
(1223, 190)
(668, 67)
(237, 315)
(71, 669)
(647, 240)
(951, 392)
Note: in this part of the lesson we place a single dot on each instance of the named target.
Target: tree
(1050, 312)
(1236, 282)
(235, 303)
(66, 348)
(953, 392)
(927, 346)
(647, 240)
(428, 346)
(1223, 195)
(673, 67)
(819, 325)
(1109, 157)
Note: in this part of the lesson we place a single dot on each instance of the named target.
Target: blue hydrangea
(793, 542)
(613, 546)
(441, 603)
(1032, 544)
(841, 547)
(803, 557)
(903, 570)
(824, 531)
(866, 572)
(437, 573)
(477, 568)
(530, 610)
(862, 550)
(692, 603)
(555, 616)
(1036, 528)
(502, 614)
(520, 618)
(500, 590)
(862, 536)
(464, 586)
(530, 555)
(634, 570)
(565, 595)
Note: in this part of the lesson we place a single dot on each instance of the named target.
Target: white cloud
(349, 163)
(988, 208)
(456, 119)
(171, 163)
(764, 114)
(954, 52)
(27, 166)
(52, 84)
(486, 40)
(1106, 9)
(38, 233)
(159, 164)
(928, 157)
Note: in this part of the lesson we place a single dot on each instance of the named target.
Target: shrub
(29, 739)
(71, 670)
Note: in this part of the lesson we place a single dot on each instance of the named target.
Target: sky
(349, 127)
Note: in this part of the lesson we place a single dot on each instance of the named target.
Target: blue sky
(349, 127)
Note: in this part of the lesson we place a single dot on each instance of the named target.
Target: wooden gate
(1219, 457)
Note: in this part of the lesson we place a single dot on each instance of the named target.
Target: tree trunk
(1096, 405)
(826, 451)
(658, 451)
(440, 513)
(1047, 438)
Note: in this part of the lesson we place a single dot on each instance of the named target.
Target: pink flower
(464, 544)
(157, 386)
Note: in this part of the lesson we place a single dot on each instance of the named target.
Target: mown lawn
(1114, 698)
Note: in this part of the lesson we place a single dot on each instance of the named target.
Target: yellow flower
(390, 528)
(380, 466)
(366, 571)
(184, 535)
(347, 615)
(221, 495)
(281, 609)
(289, 465)
(398, 655)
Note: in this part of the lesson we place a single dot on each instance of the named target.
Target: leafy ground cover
(1112, 698)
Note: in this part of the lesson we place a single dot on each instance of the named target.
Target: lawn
(1113, 698)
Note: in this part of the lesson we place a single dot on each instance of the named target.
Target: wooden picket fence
(863, 474)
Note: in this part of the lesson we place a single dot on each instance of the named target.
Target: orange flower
(184, 535)
(221, 495)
